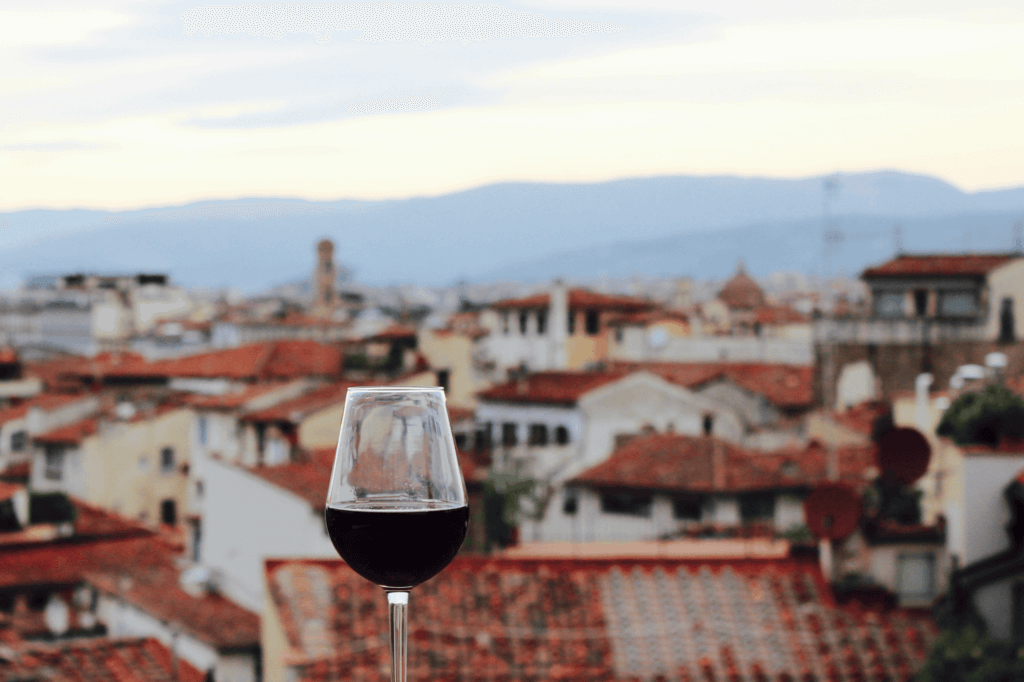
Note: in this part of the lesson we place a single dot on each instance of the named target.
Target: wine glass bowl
(396, 505)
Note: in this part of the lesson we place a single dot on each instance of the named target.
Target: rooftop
(70, 434)
(155, 590)
(578, 299)
(503, 619)
(741, 292)
(941, 264)
(97, 660)
(559, 388)
(296, 409)
(677, 463)
(785, 386)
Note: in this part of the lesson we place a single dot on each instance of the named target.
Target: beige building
(135, 464)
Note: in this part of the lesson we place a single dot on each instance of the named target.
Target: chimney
(558, 325)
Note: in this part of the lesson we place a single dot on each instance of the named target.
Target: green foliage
(50, 508)
(984, 418)
(508, 498)
(798, 534)
(967, 654)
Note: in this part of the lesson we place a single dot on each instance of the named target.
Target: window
(571, 502)
(593, 322)
(757, 507)
(485, 437)
(561, 435)
(54, 463)
(19, 439)
(572, 322)
(508, 434)
(915, 576)
(626, 503)
(538, 434)
(889, 304)
(504, 323)
(618, 335)
(1007, 328)
(199, 489)
(958, 304)
(460, 441)
(708, 424)
(443, 377)
(167, 460)
(523, 317)
(542, 322)
(686, 510)
(202, 429)
(920, 302)
(168, 513)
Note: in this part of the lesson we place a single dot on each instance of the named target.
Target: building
(551, 425)
(506, 619)
(20, 423)
(250, 513)
(133, 460)
(561, 329)
(928, 313)
(669, 485)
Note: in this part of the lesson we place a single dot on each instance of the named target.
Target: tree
(985, 417)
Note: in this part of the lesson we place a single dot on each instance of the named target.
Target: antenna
(831, 235)
(897, 239)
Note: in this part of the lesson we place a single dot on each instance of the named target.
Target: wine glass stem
(398, 603)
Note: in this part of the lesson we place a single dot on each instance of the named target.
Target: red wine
(398, 545)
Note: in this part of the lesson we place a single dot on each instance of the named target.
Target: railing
(899, 331)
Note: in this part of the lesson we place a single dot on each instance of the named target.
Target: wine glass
(396, 505)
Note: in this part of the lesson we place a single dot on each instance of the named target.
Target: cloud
(426, 99)
(387, 22)
(51, 147)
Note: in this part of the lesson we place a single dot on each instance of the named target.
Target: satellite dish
(903, 454)
(657, 338)
(832, 510)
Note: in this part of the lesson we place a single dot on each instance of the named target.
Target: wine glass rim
(393, 389)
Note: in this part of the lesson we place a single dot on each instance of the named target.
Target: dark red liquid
(397, 547)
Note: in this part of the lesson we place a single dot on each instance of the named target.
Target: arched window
(561, 435)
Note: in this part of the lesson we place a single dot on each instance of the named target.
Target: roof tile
(97, 660)
(561, 620)
(960, 264)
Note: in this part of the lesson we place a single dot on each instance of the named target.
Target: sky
(129, 104)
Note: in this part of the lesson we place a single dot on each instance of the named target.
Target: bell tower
(324, 289)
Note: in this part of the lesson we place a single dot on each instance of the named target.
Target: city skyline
(135, 105)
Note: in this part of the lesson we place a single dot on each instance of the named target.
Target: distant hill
(680, 225)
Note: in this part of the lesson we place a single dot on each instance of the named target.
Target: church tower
(324, 288)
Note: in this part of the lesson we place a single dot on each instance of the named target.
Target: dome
(741, 292)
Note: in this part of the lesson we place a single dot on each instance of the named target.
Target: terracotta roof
(96, 660)
(786, 386)
(560, 620)
(8, 356)
(155, 589)
(8, 490)
(71, 434)
(308, 480)
(394, 332)
(458, 414)
(296, 409)
(741, 292)
(558, 388)
(862, 417)
(679, 463)
(779, 314)
(578, 298)
(647, 317)
(43, 401)
(17, 472)
(227, 401)
(963, 265)
(270, 360)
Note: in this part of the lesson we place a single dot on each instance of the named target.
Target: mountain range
(661, 226)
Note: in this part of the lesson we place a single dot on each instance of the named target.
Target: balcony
(900, 331)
